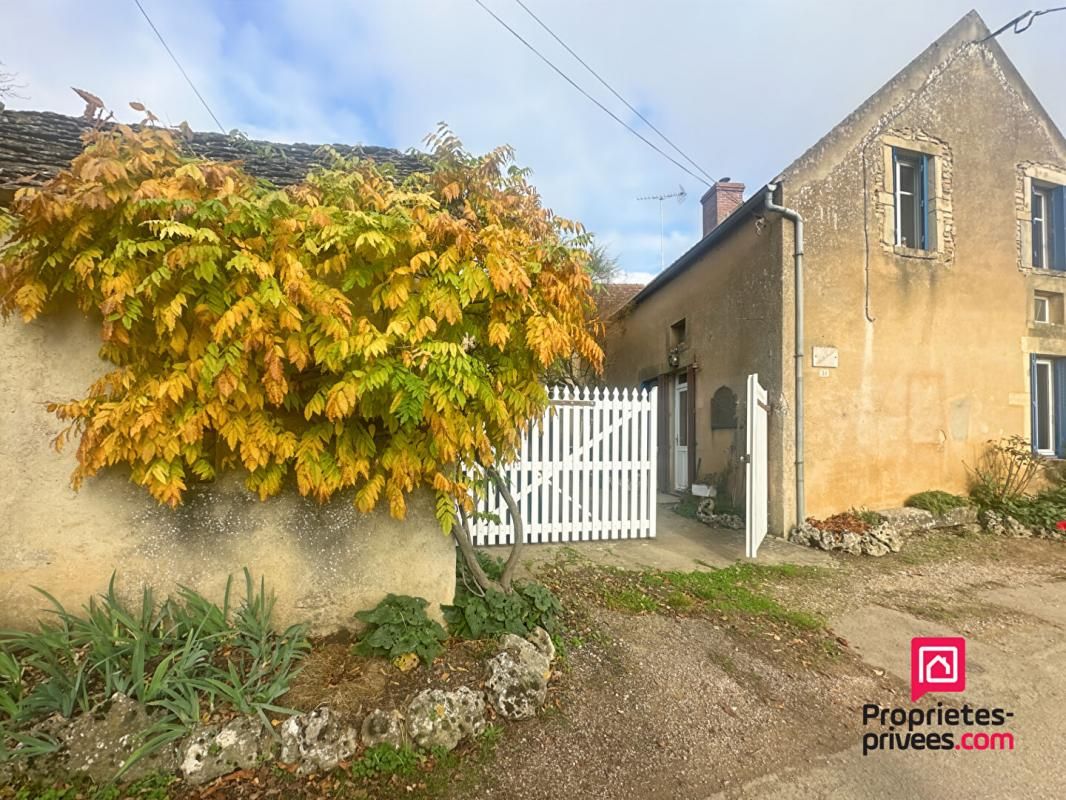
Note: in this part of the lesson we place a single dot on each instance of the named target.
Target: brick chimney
(719, 202)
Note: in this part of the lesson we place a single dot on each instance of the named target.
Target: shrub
(1043, 510)
(530, 605)
(936, 502)
(185, 658)
(357, 331)
(398, 625)
(869, 518)
(1004, 471)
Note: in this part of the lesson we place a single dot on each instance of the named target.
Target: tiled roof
(610, 297)
(35, 145)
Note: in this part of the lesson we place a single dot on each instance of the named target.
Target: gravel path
(686, 708)
(679, 708)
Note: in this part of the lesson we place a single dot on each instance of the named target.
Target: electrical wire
(589, 97)
(1029, 17)
(612, 90)
(177, 63)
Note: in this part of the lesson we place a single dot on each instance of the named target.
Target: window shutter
(1060, 407)
(1033, 414)
(1057, 228)
(923, 205)
(929, 201)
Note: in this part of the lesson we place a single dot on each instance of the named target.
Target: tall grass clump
(181, 659)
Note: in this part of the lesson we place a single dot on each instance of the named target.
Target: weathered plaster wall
(731, 302)
(324, 562)
(933, 350)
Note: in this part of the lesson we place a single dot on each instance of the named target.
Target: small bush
(936, 502)
(185, 658)
(398, 625)
(384, 760)
(869, 518)
(530, 605)
(1004, 472)
(1044, 510)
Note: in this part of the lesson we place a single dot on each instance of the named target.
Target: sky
(742, 87)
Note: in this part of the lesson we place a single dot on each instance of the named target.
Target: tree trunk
(519, 530)
(461, 533)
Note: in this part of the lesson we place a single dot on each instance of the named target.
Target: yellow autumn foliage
(355, 331)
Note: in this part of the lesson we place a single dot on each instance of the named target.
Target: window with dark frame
(1047, 386)
(913, 176)
(1048, 226)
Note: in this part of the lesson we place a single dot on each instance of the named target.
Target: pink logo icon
(938, 664)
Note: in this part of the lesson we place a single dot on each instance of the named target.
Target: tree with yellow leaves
(353, 332)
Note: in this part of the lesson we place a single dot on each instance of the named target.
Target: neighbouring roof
(612, 296)
(35, 145)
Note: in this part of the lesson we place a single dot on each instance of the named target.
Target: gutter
(797, 221)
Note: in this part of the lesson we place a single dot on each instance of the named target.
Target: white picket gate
(585, 472)
(756, 491)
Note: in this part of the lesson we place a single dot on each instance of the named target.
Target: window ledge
(1042, 271)
(914, 252)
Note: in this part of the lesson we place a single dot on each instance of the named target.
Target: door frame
(675, 447)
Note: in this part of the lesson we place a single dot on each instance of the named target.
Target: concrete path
(1021, 669)
(680, 543)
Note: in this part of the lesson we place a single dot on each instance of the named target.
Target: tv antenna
(680, 194)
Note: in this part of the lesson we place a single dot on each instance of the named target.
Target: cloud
(743, 88)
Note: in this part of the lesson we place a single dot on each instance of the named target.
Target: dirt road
(689, 708)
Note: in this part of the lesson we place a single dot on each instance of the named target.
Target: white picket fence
(585, 472)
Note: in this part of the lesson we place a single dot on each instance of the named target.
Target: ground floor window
(1048, 390)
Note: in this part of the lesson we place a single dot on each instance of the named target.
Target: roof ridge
(36, 145)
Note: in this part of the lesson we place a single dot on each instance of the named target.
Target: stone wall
(324, 562)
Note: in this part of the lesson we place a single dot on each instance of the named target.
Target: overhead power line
(589, 97)
(614, 91)
(1023, 22)
(177, 63)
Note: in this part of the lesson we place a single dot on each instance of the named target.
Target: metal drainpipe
(797, 220)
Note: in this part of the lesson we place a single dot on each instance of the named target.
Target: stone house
(934, 272)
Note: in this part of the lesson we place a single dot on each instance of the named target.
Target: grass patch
(154, 787)
(737, 590)
(632, 600)
(740, 590)
(936, 502)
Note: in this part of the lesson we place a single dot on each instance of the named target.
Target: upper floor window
(1048, 207)
(913, 176)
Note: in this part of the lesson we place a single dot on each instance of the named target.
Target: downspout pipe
(797, 221)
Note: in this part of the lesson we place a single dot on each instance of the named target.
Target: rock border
(890, 535)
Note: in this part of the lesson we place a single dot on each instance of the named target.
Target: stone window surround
(1029, 171)
(940, 202)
